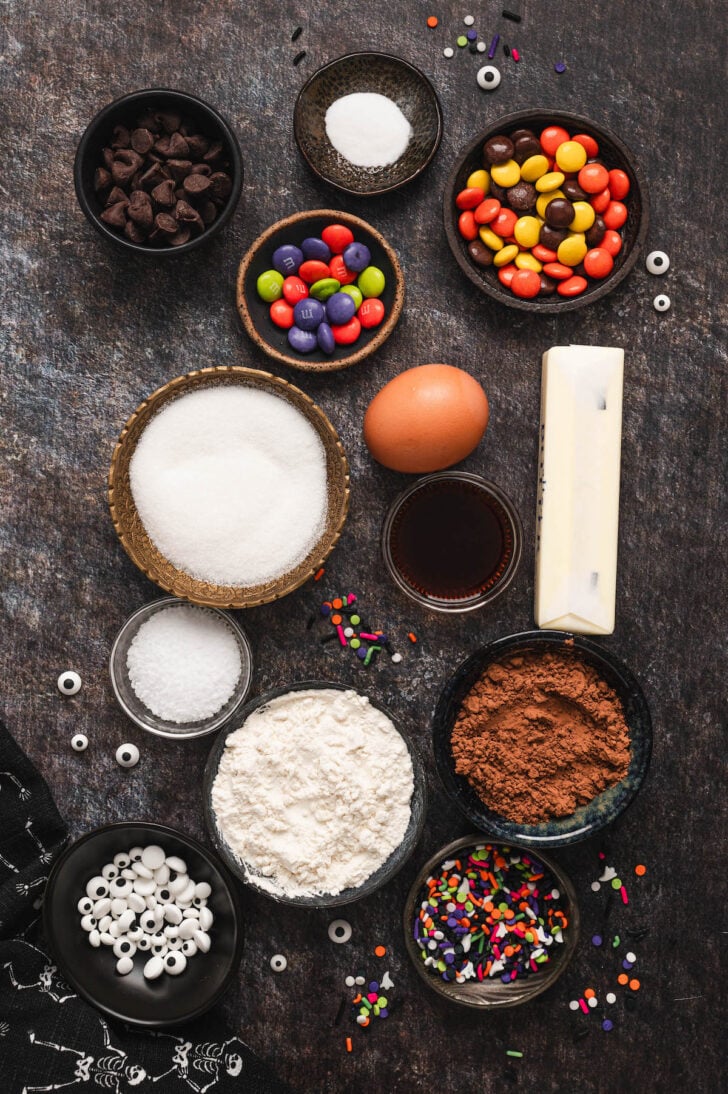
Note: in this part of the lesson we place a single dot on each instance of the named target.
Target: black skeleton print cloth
(50, 1039)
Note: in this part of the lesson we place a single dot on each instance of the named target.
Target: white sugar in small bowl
(179, 699)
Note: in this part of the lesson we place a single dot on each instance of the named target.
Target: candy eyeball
(661, 302)
(175, 962)
(278, 962)
(657, 262)
(79, 742)
(339, 930)
(69, 683)
(127, 755)
(488, 77)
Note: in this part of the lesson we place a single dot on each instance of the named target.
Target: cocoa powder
(539, 735)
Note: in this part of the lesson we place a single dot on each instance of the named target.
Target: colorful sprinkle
(432, 21)
(596, 940)
(319, 574)
(493, 46)
(512, 15)
(640, 870)
(412, 637)
(515, 54)
(462, 41)
(380, 951)
(634, 985)
(348, 1044)
(611, 997)
(560, 67)
(607, 1025)
(512, 1052)
(625, 898)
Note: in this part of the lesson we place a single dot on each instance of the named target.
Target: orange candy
(598, 263)
(557, 270)
(526, 284)
(380, 951)
(470, 197)
(640, 870)
(611, 242)
(615, 215)
(634, 985)
(622, 978)
(601, 200)
(432, 21)
(487, 210)
(543, 254)
(340, 271)
(504, 223)
(506, 274)
(466, 225)
(552, 137)
(618, 184)
(572, 286)
(347, 333)
(593, 178)
(592, 148)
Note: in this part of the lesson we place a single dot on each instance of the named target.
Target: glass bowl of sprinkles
(489, 924)
(179, 670)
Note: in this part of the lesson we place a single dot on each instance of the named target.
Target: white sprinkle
(396, 657)
(610, 997)
(448, 52)
(481, 47)
(574, 1004)
(595, 886)
(367, 129)
(230, 485)
(469, 20)
(631, 957)
(609, 873)
(593, 1002)
(184, 663)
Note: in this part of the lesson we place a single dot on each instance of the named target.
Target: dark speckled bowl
(368, 72)
(590, 818)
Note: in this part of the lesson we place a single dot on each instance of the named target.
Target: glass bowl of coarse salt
(180, 670)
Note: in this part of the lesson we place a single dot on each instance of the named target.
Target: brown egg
(426, 419)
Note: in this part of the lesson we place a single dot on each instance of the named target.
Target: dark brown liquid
(451, 540)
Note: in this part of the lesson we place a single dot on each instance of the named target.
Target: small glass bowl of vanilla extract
(452, 541)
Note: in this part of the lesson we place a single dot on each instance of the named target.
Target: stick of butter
(578, 491)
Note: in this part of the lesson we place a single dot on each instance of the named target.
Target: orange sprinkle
(508, 951)
(336, 620)
(640, 870)
(634, 985)
(338, 603)
(317, 576)
(365, 1023)
(432, 21)
(357, 998)
(495, 914)
(412, 637)
(509, 913)
(589, 993)
(379, 951)
(348, 1044)
(622, 978)
(465, 922)
(489, 905)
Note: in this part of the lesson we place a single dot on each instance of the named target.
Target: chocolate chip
(140, 209)
(185, 214)
(480, 254)
(197, 146)
(152, 177)
(522, 196)
(214, 152)
(179, 169)
(121, 137)
(196, 185)
(169, 120)
(125, 165)
(208, 212)
(107, 155)
(200, 169)
(115, 215)
(498, 149)
(179, 149)
(142, 140)
(165, 223)
(221, 186)
(182, 236)
(102, 178)
(162, 146)
(148, 121)
(163, 194)
(133, 232)
(116, 194)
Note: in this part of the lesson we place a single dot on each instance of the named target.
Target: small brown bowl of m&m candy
(320, 290)
(546, 211)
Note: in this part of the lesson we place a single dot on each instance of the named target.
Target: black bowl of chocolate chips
(158, 172)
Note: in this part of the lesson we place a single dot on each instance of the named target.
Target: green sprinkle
(354, 643)
(355, 620)
(615, 941)
(616, 883)
(512, 1052)
(462, 41)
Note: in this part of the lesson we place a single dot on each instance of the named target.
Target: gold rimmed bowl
(147, 556)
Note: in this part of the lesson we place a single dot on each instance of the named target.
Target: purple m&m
(339, 309)
(325, 338)
(308, 313)
(303, 341)
(316, 249)
(287, 259)
(357, 257)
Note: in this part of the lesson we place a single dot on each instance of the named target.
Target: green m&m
(371, 281)
(270, 286)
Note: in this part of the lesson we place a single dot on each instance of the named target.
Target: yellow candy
(505, 255)
(534, 167)
(551, 181)
(490, 239)
(571, 156)
(527, 231)
(572, 250)
(505, 174)
(583, 217)
(481, 179)
(545, 199)
(526, 261)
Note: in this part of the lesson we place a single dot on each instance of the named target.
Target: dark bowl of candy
(490, 925)
(158, 172)
(408, 100)
(266, 883)
(554, 793)
(100, 918)
(320, 290)
(546, 211)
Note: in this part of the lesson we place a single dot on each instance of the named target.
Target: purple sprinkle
(596, 940)
(325, 609)
(417, 930)
(449, 958)
(493, 46)
(506, 978)
(561, 67)
(452, 922)
(606, 1025)
(471, 35)
(361, 653)
(383, 1012)
(627, 964)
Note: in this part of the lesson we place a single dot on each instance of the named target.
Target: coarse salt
(184, 663)
(230, 485)
(368, 129)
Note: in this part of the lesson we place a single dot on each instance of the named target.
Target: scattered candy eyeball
(661, 302)
(339, 930)
(79, 742)
(69, 683)
(278, 962)
(127, 755)
(657, 262)
(488, 78)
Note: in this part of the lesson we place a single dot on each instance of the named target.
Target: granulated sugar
(230, 485)
(313, 792)
(184, 663)
(367, 129)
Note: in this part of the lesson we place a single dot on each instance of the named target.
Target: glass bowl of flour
(368, 123)
(179, 670)
(313, 796)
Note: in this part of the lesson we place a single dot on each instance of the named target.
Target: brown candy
(548, 285)
(522, 196)
(498, 149)
(526, 146)
(480, 254)
(552, 237)
(595, 234)
(573, 191)
(559, 213)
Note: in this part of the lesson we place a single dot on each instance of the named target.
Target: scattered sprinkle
(469, 20)
(348, 1044)
(634, 985)
(631, 957)
(596, 940)
(595, 886)
(297, 34)
(506, 49)
(448, 52)
(380, 951)
(493, 46)
(640, 870)
(607, 1025)
(481, 47)
(559, 67)
(462, 41)
(432, 21)
(515, 54)
(299, 57)
(512, 15)
(611, 997)
(412, 637)
(589, 993)
(574, 1004)
(625, 898)
(623, 978)
(319, 574)
(616, 883)
(512, 1052)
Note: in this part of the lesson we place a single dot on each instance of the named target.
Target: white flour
(367, 129)
(313, 792)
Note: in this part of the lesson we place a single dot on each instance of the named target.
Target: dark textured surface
(86, 334)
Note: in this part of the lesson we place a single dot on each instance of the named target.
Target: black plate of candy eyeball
(350, 283)
(507, 238)
(187, 978)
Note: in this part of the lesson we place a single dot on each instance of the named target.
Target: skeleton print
(49, 982)
(111, 1071)
(45, 855)
(201, 1066)
(23, 792)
